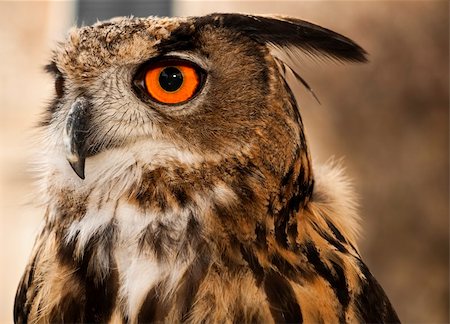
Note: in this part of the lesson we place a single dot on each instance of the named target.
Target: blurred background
(388, 119)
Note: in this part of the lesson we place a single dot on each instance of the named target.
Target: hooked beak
(75, 135)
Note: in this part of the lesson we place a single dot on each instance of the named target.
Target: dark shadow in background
(88, 11)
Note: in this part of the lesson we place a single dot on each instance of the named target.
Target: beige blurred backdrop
(388, 119)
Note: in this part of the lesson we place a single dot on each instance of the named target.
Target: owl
(178, 185)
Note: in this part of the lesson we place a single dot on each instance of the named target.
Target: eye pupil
(171, 79)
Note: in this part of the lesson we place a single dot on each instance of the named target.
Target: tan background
(388, 119)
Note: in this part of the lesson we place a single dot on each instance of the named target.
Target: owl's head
(163, 91)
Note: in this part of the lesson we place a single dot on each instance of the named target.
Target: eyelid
(189, 57)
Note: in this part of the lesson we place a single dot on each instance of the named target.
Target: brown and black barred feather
(207, 212)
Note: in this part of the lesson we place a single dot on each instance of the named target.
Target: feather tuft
(312, 39)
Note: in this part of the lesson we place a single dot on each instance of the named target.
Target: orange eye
(172, 84)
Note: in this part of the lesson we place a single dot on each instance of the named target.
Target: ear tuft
(290, 39)
(292, 33)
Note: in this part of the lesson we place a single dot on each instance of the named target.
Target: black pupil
(171, 79)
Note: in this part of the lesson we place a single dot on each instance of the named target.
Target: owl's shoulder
(329, 244)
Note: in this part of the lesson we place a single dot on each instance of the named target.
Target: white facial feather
(115, 171)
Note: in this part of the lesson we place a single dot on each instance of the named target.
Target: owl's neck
(236, 196)
(225, 208)
(178, 223)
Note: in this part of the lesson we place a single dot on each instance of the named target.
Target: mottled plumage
(204, 211)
